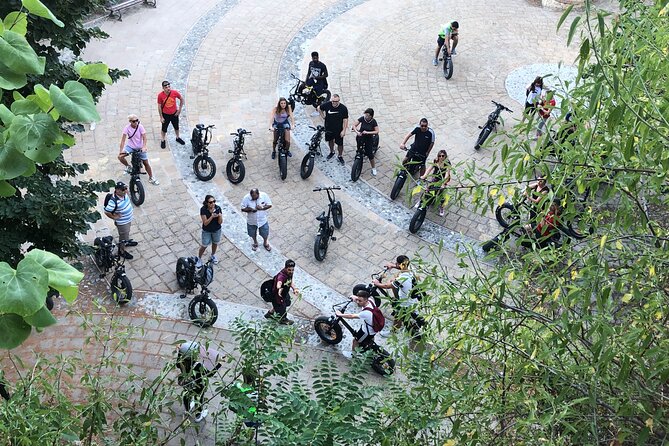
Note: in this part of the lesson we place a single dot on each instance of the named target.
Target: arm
(182, 102)
(356, 124)
(290, 116)
(160, 110)
(324, 73)
(271, 118)
(403, 145)
(120, 150)
(344, 127)
(373, 132)
(428, 172)
(143, 141)
(429, 149)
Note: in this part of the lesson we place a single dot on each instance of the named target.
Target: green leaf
(564, 16)
(6, 189)
(43, 318)
(9, 80)
(6, 116)
(14, 331)
(62, 276)
(95, 71)
(74, 102)
(572, 29)
(25, 107)
(584, 53)
(37, 8)
(17, 54)
(34, 135)
(600, 24)
(12, 162)
(45, 102)
(23, 291)
(16, 21)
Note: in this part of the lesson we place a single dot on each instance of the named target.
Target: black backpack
(266, 290)
(108, 197)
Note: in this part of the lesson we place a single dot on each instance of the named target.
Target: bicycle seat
(321, 217)
(199, 126)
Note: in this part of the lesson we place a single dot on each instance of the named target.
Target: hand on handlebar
(403, 146)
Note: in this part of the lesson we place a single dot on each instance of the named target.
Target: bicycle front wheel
(483, 136)
(121, 289)
(448, 67)
(397, 187)
(137, 194)
(235, 171)
(202, 311)
(204, 168)
(417, 220)
(283, 166)
(356, 169)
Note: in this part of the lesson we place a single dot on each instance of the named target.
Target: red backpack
(378, 320)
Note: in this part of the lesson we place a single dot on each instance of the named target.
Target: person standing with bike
(365, 128)
(281, 119)
(439, 173)
(212, 217)
(133, 139)
(194, 377)
(256, 204)
(317, 76)
(447, 33)
(364, 337)
(335, 115)
(169, 113)
(422, 145)
(119, 209)
(405, 301)
(283, 283)
(533, 95)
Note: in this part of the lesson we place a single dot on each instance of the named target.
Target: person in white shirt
(256, 204)
(402, 284)
(364, 337)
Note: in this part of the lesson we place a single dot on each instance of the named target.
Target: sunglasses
(211, 201)
(441, 156)
(166, 85)
(134, 120)
(423, 126)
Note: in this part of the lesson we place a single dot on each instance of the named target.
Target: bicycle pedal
(192, 157)
(182, 296)
(480, 127)
(333, 238)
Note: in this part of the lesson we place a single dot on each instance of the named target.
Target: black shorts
(174, 119)
(368, 142)
(364, 340)
(336, 136)
(441, 40)
(416, 157)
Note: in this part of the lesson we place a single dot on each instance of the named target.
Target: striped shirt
(123, 207)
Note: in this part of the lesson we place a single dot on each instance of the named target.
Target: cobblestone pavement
(232, 60)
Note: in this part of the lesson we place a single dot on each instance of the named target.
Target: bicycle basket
(105, 246)
(205, 275)
(196, 139)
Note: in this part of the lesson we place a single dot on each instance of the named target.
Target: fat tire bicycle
(448, 63)
(406, 169)
(429, 195)
(201, 309)
(358, 161)
(203, 166)
(137, 193)
(491, 124)
(105, 259)
(235, 170)
(329, 329)
(325, 230)
(314, 145)
(305, 94)
(282, 153)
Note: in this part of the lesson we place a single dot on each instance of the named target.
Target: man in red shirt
(168, 112)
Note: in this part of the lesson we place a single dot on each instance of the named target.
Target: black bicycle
(325, 230)
(235, 169)
(330, 331)
(106, 260)
(306, 95)
(429, 195)
(282, 152)
(491, 124)
(448, 63)
(137, 194)
(203, 166)
(201, 309)
(314, 149)
(356, 168)
(409, 168)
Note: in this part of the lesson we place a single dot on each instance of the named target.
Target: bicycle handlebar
(502, 106)
(318, 189)
(319, 127)
(241, 132)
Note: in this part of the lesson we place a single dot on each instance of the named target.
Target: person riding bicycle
(281, 118)
(364, 337)
(133, 139)
(194, 378)
(535, 192)
(317, 74)
(404, 302)
(447, 33)
(421, 147)
(439, 173)
(365, 128)
(547, 228)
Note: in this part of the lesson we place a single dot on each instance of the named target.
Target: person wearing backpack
(282, 284)
(194, 377)
(406, 294)
(118, 207)
(371, 317)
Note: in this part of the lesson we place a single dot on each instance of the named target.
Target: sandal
(268, 248)
(254, 247)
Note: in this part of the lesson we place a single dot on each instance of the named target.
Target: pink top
(134, 138)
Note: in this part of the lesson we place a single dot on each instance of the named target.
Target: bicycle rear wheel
(397, 187)
(307, 166)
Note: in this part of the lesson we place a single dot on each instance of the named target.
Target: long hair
(206, 199)
(441, 152)
(278, 108)
(538, 81)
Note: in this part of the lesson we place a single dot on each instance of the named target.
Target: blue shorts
(252, 230)
(282, 125)
(211, 237)
(144, 156)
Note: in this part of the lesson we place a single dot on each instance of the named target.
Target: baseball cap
(121, 185)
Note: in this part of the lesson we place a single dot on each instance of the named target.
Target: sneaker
(199, 417)
(127, 255)
(290, 155)
(341, 160)
(154, 181)
(131, 243)
(162, 144)
(198, 264)
(269, 314)
(285, 321)
(273, 155)
(415, 206)
(330, 156)
(181, 141)
(441, 211)
(434, 62)
(214, 259)
(374, 171)
(128, 170)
